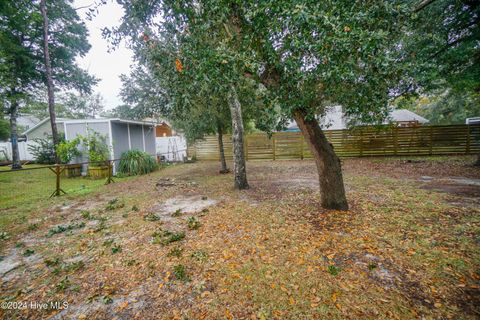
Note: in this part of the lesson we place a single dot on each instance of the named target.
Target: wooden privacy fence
(357, 142)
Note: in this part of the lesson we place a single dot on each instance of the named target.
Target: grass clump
(180, 273)
(177, 213)
(28, 252)
(4, 236)
(135, 162)
(151, 217)
(199, 255)
(166, 237)
(193, 223)
(62, 228)
(333, 270)
(116, 249)
(114, 204)
(175, 252)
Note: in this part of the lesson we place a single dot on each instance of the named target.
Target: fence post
(361, 142)
(467, 151)
(274, 146)
(245, 146)
(57, 172)
(109, 176)
(395, 140)
(431, 141)
(301, 146)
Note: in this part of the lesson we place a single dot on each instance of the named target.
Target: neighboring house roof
(59, 120)
(406, 115)
(334, 119)
(64, 120)
(27, 121)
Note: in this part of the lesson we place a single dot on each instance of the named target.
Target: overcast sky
(99, 62)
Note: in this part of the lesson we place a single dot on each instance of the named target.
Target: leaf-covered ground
(181, 243)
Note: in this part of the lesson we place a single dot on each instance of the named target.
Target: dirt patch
(458, 186)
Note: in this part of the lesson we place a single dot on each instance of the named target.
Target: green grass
(25, 191)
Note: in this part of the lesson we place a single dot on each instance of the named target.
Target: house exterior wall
(150, 143)
(136, 137)
(74, 130)
(119, 139)
(43, 130)
(163, 130)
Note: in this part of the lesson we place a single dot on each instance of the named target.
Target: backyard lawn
(181, 243)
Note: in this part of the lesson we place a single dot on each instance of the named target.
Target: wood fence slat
(364, 141)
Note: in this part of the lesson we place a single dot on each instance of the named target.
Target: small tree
(68, 150)
(96, 144)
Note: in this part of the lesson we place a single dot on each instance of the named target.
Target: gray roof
(334, 119)
(406, 115)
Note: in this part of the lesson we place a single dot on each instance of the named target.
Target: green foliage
(136, 162)
(450, 107)
(116, 249)
(28, 252)
(165, 237)
(96, 144)
(177, 213)
(62, 228)
(180, 273)
(43, 150)
(333, 270)
(68, 150)
(151, 217)
(199, 255)
(175, 252)
(193, 223)
(115, 204)
(4, 130)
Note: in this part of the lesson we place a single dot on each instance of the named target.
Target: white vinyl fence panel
(171, 148)
(25, 154)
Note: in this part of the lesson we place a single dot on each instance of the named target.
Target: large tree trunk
(239, 168)
(332, 190)
(221, 149)
(16, 164)
(48, 70)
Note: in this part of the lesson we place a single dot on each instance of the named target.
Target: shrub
(67, 150)
(135, 162)
(43, 150)
(96, 144)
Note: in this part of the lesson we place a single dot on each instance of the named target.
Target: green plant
(116, 249)
(165, 237)
(43, 150)
(177, 213)
(135, 208)
(114, 204)
(28, 252)
(96, 144)
(333, 270)
(136, 162)
(63, 285)
(193, 223)
(372, 266)
(86, 214)
(199, 255)
(62, 228)
(4, 235)
(151, 217)
(67, 150)
(33, 227)
(175, 252)
(179, 271)
(52, 262)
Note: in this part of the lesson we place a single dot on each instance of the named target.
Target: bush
(67, 150)
(135, 162)
(96, 144)
(44, 151)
